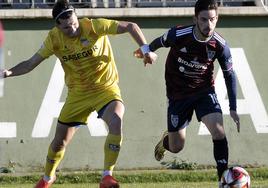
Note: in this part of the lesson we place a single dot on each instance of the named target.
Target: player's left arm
(134, 30)
(226, 64)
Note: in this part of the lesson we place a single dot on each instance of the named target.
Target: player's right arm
(24, 67)
(226, 64)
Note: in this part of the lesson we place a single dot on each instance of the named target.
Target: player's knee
(116, 120)
(218, 135)
(115, 124)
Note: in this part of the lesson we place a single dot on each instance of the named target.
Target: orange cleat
(109, 182)
(44, 184)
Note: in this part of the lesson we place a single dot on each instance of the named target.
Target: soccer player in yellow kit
(83, 47)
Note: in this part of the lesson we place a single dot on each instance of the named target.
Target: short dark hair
(62, 9)
(201, 5)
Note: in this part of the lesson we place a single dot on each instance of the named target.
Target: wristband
(145, 49)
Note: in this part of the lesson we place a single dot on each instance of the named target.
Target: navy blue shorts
(180, 112)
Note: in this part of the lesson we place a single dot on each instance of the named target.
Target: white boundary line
(264, 5)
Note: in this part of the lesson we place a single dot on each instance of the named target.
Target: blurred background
(21, 4)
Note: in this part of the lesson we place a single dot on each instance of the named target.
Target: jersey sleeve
(225, 59)
(46, 48)
(226, 64)
(169, 38)
(103, 26)
(166, 40)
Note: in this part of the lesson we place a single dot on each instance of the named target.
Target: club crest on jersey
(211, 55)
(84, 42)
(174, 120)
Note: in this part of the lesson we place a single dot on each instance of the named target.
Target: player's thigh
(214, 123)
(179, 114)
(63, 136)
(208, 110)
(76, 110)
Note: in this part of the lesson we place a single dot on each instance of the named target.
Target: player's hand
(4, 73)
(149, 58)
(235, 117)
(138, 53)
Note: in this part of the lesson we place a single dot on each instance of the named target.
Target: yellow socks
(111, 151)
(53, 161)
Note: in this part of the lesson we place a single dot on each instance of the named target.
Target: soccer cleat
(108, 182)
(44, 184)
(159, 150)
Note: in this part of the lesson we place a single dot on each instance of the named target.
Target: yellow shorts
(77, 107)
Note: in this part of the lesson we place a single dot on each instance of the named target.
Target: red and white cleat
(44, 184)
(109, 182)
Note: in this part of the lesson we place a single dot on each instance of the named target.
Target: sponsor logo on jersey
(181, 68)
(192, 64)
(79, 55)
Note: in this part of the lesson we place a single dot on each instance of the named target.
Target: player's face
(206, 22)
(69, 27)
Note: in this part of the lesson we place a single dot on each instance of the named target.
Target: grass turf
(132, 176)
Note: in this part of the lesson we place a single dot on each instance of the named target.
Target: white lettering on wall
(51, 106)
(252, 103)
(8, 130)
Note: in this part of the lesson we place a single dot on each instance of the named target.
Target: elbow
(229, 74)
(132, 27)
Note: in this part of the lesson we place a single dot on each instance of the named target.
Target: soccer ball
(235, 177)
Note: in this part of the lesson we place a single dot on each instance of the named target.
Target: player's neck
(199, 36)
(78, 33)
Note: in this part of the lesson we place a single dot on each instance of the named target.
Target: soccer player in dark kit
(190, 82)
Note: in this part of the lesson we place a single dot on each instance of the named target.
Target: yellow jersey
(87, 60)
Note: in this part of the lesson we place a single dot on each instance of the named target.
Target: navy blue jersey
(190, 63)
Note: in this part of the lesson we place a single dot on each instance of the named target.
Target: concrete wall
(27, 127)
(132, 12)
